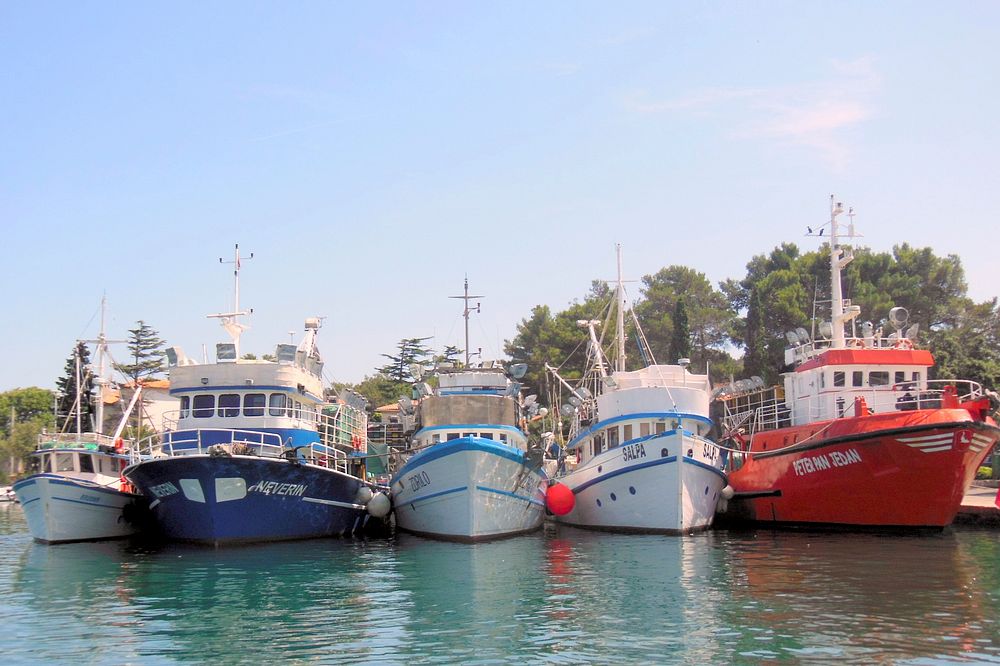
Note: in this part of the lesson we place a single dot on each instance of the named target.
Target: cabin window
(47, 465)
(626, 432)
(612, 437)
(435, 439)
(857, 378)
(185, 406)
(644, 429)
(106, 466)
(661, 427)
(276, 406)
(838, 378)
(899, 377)
(486, 435)
(503, 438)
(229, 405)
(452, 435)
(822, 380)
(597, 445)
(64, 462)
(204, 406)
(86, 463)
(916, 376)
(879, 378)
(253, 404)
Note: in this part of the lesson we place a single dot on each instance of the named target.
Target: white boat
(472, 475)
(640, 458)
(77, 492)
(7, 494)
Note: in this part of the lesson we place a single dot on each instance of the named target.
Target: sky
(372, 156)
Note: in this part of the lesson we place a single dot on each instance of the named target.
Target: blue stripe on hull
(457, 446)
(280, 511)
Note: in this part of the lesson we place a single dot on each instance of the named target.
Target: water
(561, 596)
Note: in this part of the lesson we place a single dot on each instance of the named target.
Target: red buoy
(559, 499)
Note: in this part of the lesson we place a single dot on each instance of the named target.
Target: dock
(979, 506)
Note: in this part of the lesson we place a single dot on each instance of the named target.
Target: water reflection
(560, 596)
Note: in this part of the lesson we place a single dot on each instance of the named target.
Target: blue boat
(256, 451)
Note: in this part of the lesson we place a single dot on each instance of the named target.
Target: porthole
(613, 498)
(631, 490)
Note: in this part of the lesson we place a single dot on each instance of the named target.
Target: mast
(230, 320)
(838, 259)
(465, 313)
(620, 323)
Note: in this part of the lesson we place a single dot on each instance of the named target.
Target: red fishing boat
(859, 435)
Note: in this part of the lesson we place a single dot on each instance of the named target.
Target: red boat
(858, 436)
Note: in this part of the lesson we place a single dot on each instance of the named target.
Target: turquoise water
(563, 596)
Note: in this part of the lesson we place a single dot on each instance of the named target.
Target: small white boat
(639, 458)
(7, 494)
(473, 475)
(78, 493)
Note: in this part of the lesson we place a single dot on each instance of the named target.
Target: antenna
(230, 320)
(465, 313)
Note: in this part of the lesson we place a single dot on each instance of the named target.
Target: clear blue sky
(373, 154)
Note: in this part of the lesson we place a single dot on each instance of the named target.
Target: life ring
(119, 445)
(904, 344)
(356, 442)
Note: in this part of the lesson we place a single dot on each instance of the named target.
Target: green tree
(451, 354)
(411, 352)
(146, 351)
(24, 413)
(380, 390)
(710, 318)
(77, 381)
(680, 339)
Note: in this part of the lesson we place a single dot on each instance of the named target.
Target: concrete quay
(979, 505)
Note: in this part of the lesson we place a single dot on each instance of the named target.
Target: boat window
(185, 406)
(277, 404)
(435, 439)
(47, 466)
(612, 437)
(86, 463)
(106, 465)
(503, 437)
(644, 429)
(916, 376)
(253, 404)
(838, 378)
(452, 435)
(486, 435)
(857, 378)
(204, 406)
(598, 444)
(64, 462)
(879, 378)
(626, 432)
(899, 377)
(822, 380)
(229, 405)
(661, 427)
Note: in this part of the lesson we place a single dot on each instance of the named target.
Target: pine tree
(680, 341)
(145, 349)
(72, 384)
(411, 351)
(756, 360)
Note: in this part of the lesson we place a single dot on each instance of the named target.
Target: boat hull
(658, 492)
(910, 469)
(469, 489)
(221, 500)
(61, 509)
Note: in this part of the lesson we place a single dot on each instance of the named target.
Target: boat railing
(766, 409)
(229, 442)
(60, 440)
